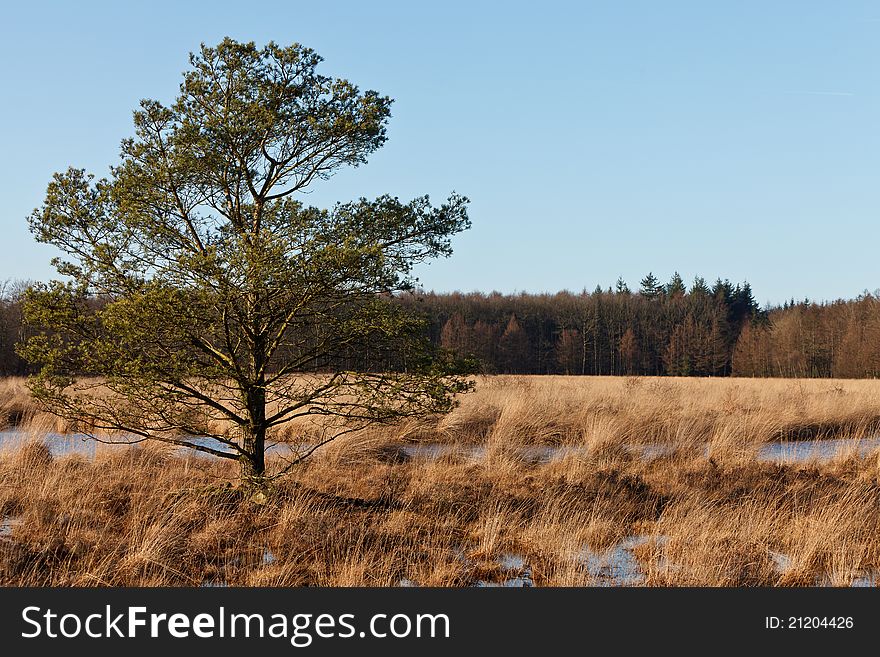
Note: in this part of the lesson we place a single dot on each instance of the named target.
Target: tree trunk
(253, 462)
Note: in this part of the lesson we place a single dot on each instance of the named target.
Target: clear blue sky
(595, 139)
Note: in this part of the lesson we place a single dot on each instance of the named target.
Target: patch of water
(514, 565)
(7, 525)
(779, 452)
(616, 566)
(860, 579)
(268, 557)
(865, 579)
(819, 450)
(512, 561)
(62, 444)
(524, 582)
(533, 453)
(213, 583)
(652, 450)
(513, 583)
(781, 561)
(434, 451)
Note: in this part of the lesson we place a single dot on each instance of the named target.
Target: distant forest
(658, 329)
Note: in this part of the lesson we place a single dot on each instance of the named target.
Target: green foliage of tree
(208, 300)
(699, 287)
(651, 287)
(676, 288)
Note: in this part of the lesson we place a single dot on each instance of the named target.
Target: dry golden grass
(672, 462)
(559, 409)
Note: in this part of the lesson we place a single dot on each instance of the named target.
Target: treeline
(839, 339)
(657, 329)
(11, 328)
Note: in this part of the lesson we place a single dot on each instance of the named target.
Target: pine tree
(675, 288)
(699, 287)
(221, 291)
(651, 288)
(723, 291)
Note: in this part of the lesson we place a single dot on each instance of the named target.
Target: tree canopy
(206, 301)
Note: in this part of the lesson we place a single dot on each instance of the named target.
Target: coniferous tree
(699, 287)
(651, 288)
(675, 288)
(219, 286)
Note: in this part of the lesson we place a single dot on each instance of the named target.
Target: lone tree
(204, 305)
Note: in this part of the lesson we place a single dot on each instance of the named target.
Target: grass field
(551, 481)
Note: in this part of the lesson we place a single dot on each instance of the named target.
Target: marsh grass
(704, 510)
